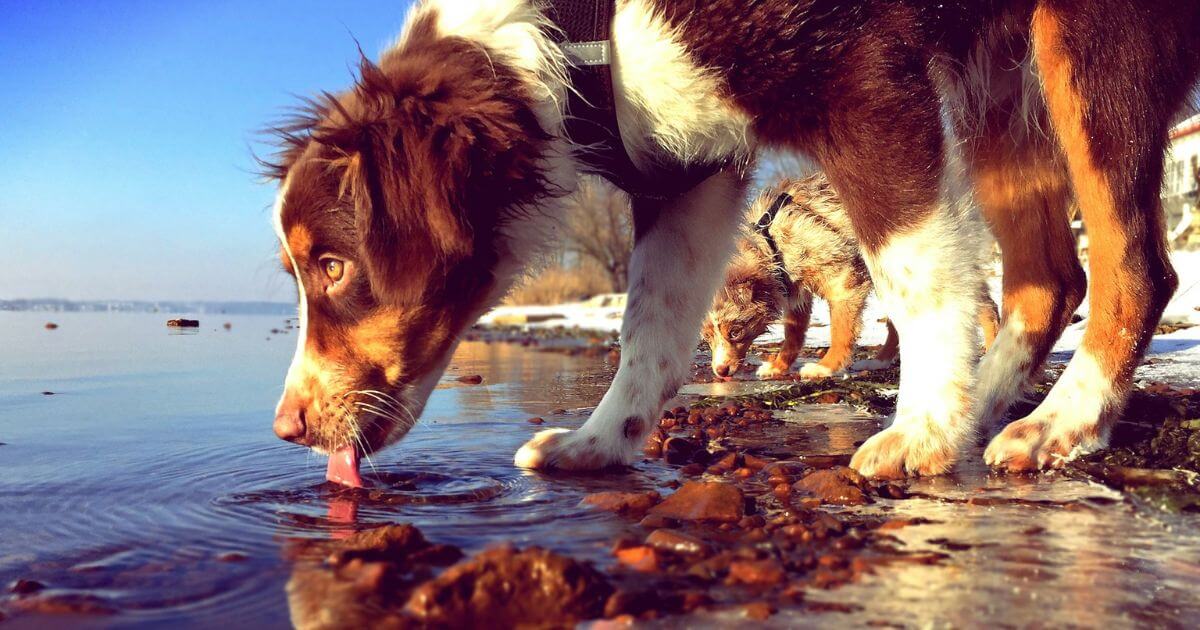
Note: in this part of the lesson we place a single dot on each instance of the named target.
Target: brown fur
(821, 257)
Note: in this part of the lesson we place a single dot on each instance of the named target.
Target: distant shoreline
(56, 305)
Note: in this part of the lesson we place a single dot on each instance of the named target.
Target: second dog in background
(797, 243)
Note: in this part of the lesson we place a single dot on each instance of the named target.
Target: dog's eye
(735, 333)
(334, 269)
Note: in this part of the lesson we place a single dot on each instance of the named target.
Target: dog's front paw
(814, 371)
(1034, 444)
(895, 453)
(770, 370)
(563, 449)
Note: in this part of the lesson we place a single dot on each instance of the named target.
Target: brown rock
(678, 451)
(535, 421)
(704, 501)
(677, 542)
(51, 326)
(504, 587)
(634, 504)
(655, 521)
(756, 572)
(835, 486)
(232, 556)
(25, 587)
(759, 611)
(183, 323)
(470, 379)
(642, 558)
(65, 604)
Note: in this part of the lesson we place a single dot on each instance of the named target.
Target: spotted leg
(680, 253)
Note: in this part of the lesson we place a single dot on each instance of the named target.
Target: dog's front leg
(681, 249)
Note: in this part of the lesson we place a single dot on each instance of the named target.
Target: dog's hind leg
(1111, 88)
(680, 253)
(795, 329)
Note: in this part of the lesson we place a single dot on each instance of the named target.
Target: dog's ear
(437, 148)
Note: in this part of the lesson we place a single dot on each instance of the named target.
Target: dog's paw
(815, 371)
(895, 453)
(1035, 443)
(870, 365)
(770, 370)
(562, 449)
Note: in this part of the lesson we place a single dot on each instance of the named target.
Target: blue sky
(126, 134)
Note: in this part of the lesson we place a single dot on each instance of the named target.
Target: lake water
(151, 480)
(155, 456)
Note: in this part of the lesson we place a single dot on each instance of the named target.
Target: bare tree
(599, 229)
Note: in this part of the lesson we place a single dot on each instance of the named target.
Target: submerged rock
(506, 587)
(183, 323)
(634, 504)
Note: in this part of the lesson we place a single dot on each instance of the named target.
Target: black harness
(763, 227)
(591, 121)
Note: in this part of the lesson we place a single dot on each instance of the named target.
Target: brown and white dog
(798, 242)
(409, 203)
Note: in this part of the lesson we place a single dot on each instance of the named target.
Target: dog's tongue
(343, 467)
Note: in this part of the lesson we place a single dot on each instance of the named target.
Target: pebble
(471, 379)
(634, 504)
(756, 572)
(676, 541)
(645, 559)
(25, 587)
(835, 486)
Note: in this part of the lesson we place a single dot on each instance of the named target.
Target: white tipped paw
(870, 365)
(894, 454)
(563, 449)
(1036, 444)
(815, 371)
(770, 370)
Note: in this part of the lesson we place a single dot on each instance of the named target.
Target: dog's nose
(289, 422)
(722, 369)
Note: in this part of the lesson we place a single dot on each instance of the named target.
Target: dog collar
(763, 227)
(591, 121)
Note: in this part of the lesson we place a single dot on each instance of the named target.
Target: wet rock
(183, 323)
(642, 558)
(47, 393)
(535, 420)
(627, 602)
(51, 326)
(654, 521)
(227, 326)
(654, 444)
(677, 542)
(835, 486)
(232, 556)
(25, 587)
(678, 451)
(64, 604)
(761, 573)
(704, 501)
(505, 587)
(470, 379)
(758, 611)
(402, 544)
(633, 504)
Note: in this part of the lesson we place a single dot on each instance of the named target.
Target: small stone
(634, 504)
(643, 559)
(677, 542)
(758, 611)
(678, 451)
(25, 587)
(51, 326)
(835, 486)
(654, 521)
(232, 556)
(692, 470)
(756, 572)
(536, 420)
(470, 379)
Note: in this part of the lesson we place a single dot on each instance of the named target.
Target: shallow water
(155, 458)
